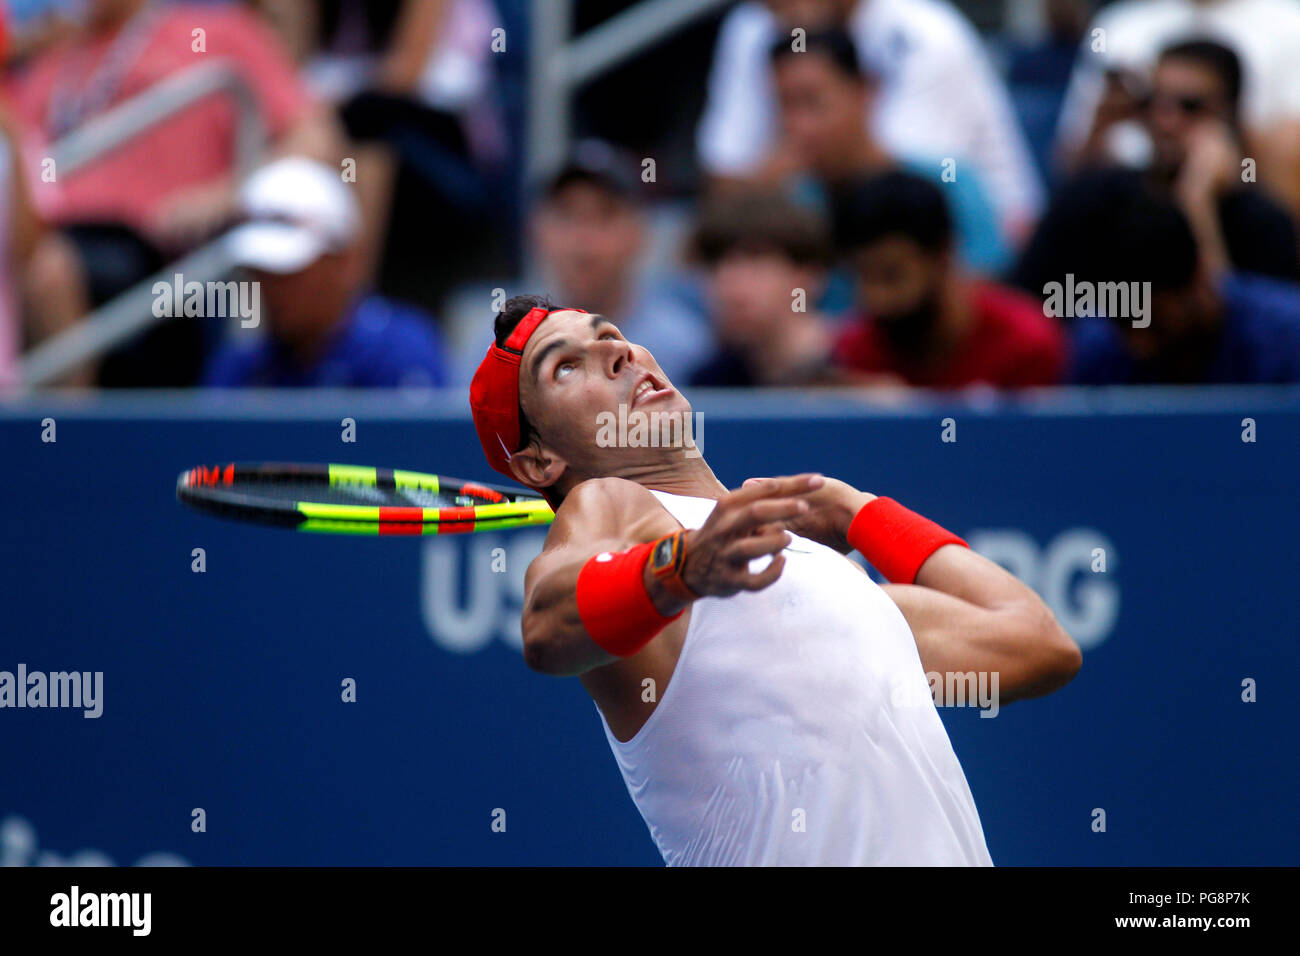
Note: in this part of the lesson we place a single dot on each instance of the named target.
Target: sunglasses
(1187, 105)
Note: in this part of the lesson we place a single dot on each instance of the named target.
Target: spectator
(765, 258)
(1037, 73)
(823, 96)
(301, 242)
(1279, 164)
(921, 319)
(938, 94)
(1191, 117)
(415, 88)
(589, 234)
(19, 232)
(1239, 329)
(117, 223)
(1121, 47)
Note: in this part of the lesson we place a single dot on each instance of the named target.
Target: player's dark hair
(896, 203)
(513, 313)
(761, 221)
(1214, 56)
(507, 320)
(833, 43)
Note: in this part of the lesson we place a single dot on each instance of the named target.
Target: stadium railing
(130, 313)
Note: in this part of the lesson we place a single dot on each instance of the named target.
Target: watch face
(664, 553)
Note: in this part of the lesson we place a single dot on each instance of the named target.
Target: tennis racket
(353, 499)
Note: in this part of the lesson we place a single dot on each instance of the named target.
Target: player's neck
(691, 477)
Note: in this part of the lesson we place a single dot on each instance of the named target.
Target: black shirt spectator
(1073, 236)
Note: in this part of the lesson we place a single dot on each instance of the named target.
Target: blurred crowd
(853, 193)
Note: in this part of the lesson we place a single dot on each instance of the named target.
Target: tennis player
(766, 701)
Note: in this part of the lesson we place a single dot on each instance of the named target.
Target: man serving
(766, 701)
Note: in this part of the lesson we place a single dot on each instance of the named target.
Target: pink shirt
(196, 146)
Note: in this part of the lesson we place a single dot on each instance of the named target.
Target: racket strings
(352, 494)
(350, 499)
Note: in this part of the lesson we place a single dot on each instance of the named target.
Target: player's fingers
(756, 582)
(755, 488)
(755, 546)
(759, 513)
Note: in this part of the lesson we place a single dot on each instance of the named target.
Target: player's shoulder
(606, 498)
(605, 510)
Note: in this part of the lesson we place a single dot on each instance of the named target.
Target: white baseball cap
(294, 210)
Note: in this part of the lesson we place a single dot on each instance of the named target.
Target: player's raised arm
(969, 614)
(966, 612)
(617, 569)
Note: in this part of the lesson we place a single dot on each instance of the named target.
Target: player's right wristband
(895, 540)
(613, 603)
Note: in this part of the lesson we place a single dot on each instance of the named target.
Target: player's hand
(746, 524)
(833, 507)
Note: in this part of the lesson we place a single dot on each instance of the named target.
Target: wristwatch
(667, 559)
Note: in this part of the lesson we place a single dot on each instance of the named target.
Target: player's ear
(536, 466)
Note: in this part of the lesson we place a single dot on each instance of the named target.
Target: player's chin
(674, 401)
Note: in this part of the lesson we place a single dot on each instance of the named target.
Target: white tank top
(798, 729)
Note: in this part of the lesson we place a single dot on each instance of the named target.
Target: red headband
(494, 393)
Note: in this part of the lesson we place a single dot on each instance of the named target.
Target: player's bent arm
(597, 516)
(568, 630)
(969, 614)
(966, 612)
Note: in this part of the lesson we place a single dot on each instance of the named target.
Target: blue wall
(222, 689)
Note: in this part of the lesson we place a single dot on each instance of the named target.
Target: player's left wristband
(895, 540)
(613, 603)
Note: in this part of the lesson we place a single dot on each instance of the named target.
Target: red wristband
(613, 603)
(895, 540)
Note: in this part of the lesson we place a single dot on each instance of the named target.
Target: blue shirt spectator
(1258, 340)
(379, 344)
(980, 244)
(298, 242)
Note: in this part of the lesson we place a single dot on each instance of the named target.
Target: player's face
(576, 372)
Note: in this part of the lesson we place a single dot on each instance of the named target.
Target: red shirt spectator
(96, 70)
(1010, 343)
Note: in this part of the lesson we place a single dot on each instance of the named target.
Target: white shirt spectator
(457, 77)
(938, 95)
(1265, 34)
